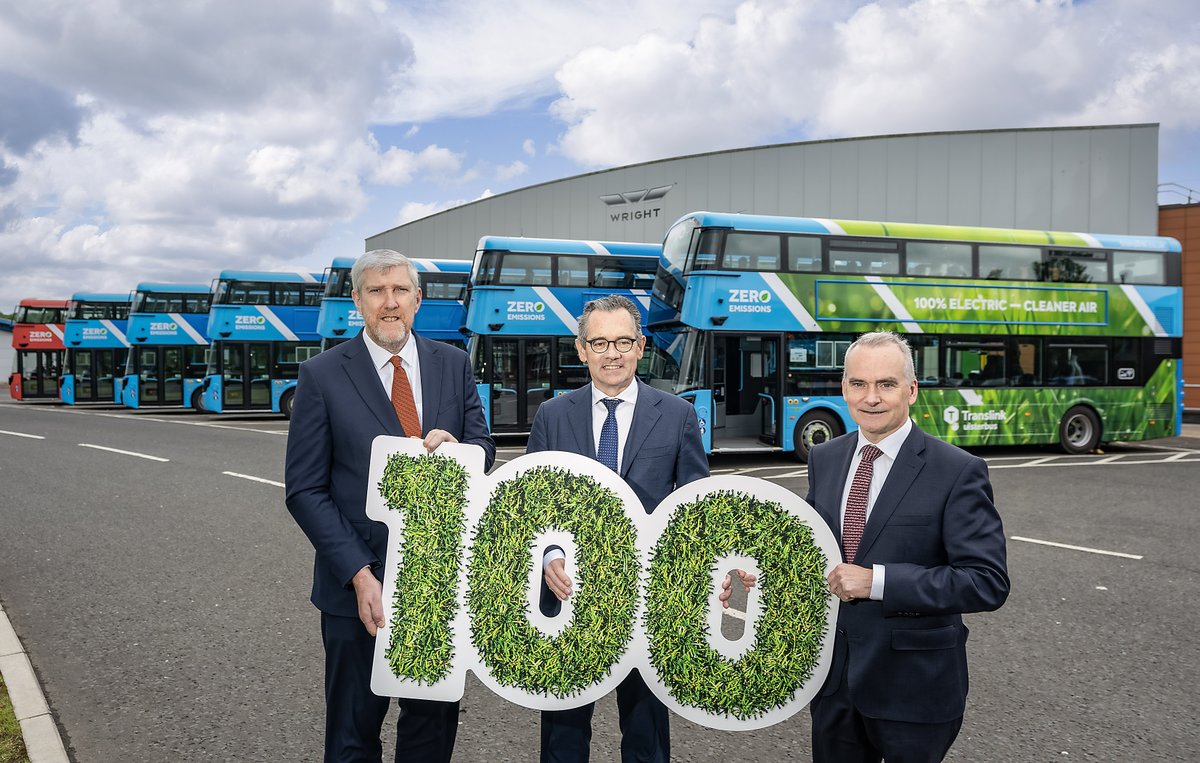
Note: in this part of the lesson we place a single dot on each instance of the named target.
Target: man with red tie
(385, 381)
(922, 544)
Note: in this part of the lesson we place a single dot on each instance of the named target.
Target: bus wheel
(814, 428)
(196, 395)
(1079, 430)
(285, 404)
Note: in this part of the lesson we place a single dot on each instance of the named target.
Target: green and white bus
(1019, 336)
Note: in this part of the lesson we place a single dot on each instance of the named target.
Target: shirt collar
(891, 444)
(629, 394)
(381, 357)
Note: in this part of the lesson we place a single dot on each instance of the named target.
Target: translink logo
(950, 416)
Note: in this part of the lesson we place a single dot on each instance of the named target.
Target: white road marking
(146, 456)
(22, 434)
(735, 613)
(252, 478)
(1076, 548)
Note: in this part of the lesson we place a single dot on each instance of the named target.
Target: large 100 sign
(463, 580)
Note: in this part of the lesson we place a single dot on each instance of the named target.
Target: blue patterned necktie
(607, 452)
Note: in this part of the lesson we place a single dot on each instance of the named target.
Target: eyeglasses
(624, 344)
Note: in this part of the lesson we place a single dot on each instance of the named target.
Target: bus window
(525, 269)
(803, 254)
(1138, 267)
(1017, 263)
(1077, 365)
(572, 271)
(975, 365)
(752, 251)
(1075, 267)
(287, 294)
(865, 257)
(311, 293)
(248, 293)
(1024, 369)
(814, 366)
(925, 359)
(926, 258)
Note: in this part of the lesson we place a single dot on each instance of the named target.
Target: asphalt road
(165, 608)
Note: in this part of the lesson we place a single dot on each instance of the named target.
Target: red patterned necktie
(402, 400)
(856, 502)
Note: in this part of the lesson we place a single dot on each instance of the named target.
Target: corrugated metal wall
(1095, 179)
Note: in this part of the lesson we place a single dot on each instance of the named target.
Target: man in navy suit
(346, 396)
(922, 544)
(656, 446)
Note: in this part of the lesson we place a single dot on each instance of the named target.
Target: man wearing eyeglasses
(650, 438)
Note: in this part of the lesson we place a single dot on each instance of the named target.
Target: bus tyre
(197, 394)
(285, 404)
(814, 428)
(1079, 430)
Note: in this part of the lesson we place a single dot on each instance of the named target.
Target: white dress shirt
(628, 398)
(624, 414)
(382, 360)
(890, 447)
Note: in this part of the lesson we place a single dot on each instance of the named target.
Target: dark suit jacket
(935, 528)
(340, 408)
(662, 451)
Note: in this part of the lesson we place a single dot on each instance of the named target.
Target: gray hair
(611, 303)
(885, 339)
(381, 260)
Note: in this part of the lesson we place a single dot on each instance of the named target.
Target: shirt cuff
(877, 582)
(551, 555)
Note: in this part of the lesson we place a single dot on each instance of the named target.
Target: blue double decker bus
(261, 327)
(522, 308)
(441, 317)
(96, 347)
(167, 345)
(1018, 336)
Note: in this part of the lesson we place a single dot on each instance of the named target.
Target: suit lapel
(909, 462)
(645, 416)
(430, 358)
(579, 414)
(365, 378)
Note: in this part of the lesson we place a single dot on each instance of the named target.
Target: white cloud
(415, 210)
(398, 166)
(529, 147)
(822, 70)
(512, 170)
(475, 55)
(209, 135)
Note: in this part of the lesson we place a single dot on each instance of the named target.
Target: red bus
(38, 348)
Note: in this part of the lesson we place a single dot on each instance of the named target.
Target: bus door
(519, 371)
(160, 375)
(39, 371)
(246, 375)
(746, 390)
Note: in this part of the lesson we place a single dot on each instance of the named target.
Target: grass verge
(12, 744)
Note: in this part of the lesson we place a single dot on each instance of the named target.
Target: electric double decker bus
(96, 347)
(261, 327)
(441, 317)
(1019, 337)
(522, 307)
(37, 341)
(167, 345)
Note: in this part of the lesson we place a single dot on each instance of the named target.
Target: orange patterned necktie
(856, 503)
(402, 401)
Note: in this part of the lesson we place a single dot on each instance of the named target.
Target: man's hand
(435, 438)
(369, 592)
(557, 579)
(748, 581)
(849, 582)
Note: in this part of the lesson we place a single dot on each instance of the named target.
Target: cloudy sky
(169, 139)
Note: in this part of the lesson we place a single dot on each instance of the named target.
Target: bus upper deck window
(1016, 263)
(1138, 267)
